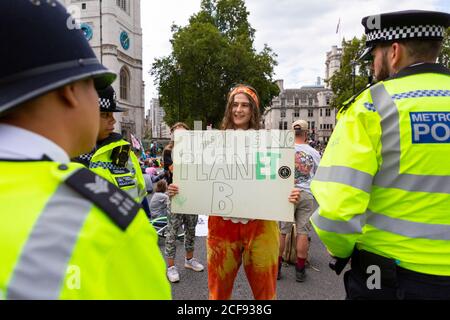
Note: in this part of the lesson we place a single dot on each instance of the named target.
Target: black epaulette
(347, 104)
(117, 204)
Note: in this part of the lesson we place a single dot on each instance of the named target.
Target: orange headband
(247, 90)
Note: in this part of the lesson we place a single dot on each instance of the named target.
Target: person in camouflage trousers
(174, 223)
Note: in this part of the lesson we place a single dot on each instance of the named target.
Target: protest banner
(234, 173)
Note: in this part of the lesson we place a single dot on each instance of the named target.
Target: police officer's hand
(295, 196)
(172, 190)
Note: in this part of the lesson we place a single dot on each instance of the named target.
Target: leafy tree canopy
(209, 55)
(342, 81)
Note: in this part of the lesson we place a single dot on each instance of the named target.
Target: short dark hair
(419, 49)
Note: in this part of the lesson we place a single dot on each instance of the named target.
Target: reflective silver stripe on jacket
(349, 176)
(41, 268)
(352, 226)
(410, 229)
(135, 193)
(389, 175)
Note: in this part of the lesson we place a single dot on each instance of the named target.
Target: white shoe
(172, 274)
(193, 264)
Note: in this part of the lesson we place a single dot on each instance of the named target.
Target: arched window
(124, 84)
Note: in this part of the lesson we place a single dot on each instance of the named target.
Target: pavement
(321, 283)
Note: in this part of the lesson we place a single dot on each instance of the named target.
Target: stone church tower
(113, 28)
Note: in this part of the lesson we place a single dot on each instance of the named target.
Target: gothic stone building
(113, 28)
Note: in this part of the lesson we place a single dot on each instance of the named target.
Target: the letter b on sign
(221, 199)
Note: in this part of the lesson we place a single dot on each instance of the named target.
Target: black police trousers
(396, 283)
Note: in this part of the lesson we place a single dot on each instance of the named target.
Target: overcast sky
(299, 31)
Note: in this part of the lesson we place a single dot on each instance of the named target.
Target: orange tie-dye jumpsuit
(255, 244)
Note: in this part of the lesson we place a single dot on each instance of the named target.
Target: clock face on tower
(87, 30)
(125, 40)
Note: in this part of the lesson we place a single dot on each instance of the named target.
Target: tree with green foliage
(343, 84)
(213, 52)
(444, 57)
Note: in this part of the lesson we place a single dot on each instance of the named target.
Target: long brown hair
(227, 122)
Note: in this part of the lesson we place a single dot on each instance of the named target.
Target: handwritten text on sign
(234, 173)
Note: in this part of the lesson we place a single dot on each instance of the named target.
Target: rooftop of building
(303, 93)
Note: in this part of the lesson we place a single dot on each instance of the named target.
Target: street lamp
(353, 63)
(101, 30)
(178, 70)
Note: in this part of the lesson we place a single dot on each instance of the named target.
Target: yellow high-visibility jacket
(67, 233)
(383, 184)
(126, 175)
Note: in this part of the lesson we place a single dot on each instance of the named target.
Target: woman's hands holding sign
(294, 197)
(172, 190)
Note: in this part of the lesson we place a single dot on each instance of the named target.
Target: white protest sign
(234, 173)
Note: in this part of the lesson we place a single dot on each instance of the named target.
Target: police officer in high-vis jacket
(112, 157)
(65, 233)
(383, 184)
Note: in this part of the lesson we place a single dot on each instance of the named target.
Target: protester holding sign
(175, 221)
(232, 241)
(167, 152)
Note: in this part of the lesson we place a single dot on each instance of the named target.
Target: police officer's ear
(394, 53)
(397, 56)
(74, 93)
(68, 94)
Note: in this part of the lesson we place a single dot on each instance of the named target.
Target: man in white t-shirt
(306, 163)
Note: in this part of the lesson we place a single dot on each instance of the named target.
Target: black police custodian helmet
(42, 50)
(108, 101)
(404, 25)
